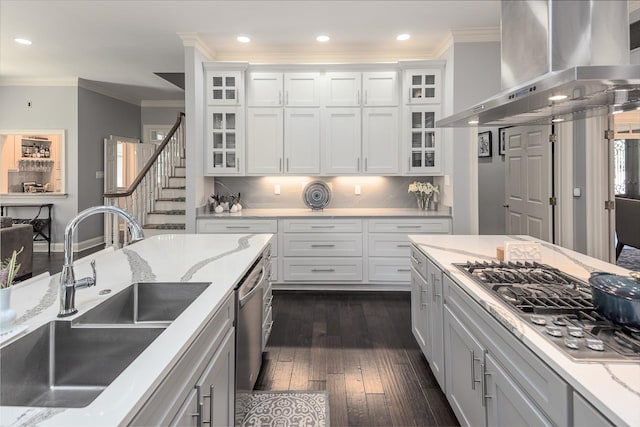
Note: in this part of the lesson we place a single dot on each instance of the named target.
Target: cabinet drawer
(237, 226)
(419, 261)
(390, 270)
(409, 226)
(330, 244)
(322, 226)
(389, 245)
(322, 269)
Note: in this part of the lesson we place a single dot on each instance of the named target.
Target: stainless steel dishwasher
(249, 305)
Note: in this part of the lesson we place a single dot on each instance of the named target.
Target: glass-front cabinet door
(423, 141)
(224, 141)
(424, 86)
(224, 87)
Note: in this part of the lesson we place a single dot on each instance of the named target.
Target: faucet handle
(86, 282)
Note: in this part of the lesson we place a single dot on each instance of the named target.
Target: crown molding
(98, 88)
(26, 81)
(163, 103)
(289, 57)
(194, 40)
(476, 35)
(444, 45)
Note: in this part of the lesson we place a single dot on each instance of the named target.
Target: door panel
(341, 141)
(302, 141)
(264, 141)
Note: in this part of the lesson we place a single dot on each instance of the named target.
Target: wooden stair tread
(165, 226)
(169, 212)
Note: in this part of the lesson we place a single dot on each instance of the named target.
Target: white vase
(7, 314)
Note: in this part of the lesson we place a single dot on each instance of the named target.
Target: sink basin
(143, 303)
(58, 365)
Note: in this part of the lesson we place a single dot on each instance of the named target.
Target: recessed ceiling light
(473, 122)
(243, 39)
(557, 97)
(403, 37)
(22, 41)
(323, 39)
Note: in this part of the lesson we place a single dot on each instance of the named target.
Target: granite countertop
(220, 259)
(613, 388)
(442, 212)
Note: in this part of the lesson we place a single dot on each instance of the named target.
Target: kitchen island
(221, 260)
(497, 367)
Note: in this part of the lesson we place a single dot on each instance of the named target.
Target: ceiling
(118, 45)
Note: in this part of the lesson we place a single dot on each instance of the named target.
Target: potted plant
(8, 271)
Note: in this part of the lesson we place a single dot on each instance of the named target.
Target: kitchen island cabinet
(499, 370)
(204, 331)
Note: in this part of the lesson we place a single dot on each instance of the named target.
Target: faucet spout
(68, 283)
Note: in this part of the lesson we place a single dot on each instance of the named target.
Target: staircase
(156, 198)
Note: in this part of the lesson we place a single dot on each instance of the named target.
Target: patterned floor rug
(629, 258)
(287, 409)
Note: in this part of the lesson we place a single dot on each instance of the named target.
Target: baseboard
(356, 287)
(77, 246)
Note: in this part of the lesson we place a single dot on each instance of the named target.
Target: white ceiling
(122, 43)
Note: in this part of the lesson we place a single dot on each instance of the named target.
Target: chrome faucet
(68, 283)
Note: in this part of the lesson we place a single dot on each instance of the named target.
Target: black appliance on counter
(559, 307)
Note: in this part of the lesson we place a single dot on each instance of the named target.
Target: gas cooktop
(559, 307)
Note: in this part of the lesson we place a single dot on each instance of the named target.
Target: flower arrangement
(424, 192)
(9, 269)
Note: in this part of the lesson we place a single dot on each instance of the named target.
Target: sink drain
(104, 292)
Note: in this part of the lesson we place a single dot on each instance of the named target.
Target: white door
(223, 151)
(265, 90)
(302, 89)
(527, 183)
(264, 141)
(380, 88)
(343, 89)
(341, 141)
(422, 141)
(223, 87)
(380, 140)
(302, 141)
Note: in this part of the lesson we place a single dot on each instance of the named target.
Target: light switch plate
(357, 189)
(276, 189)
(577, 192)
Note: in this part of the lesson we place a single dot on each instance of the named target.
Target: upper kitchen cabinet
(423, 86)
(224, 141)
(423, 142)
(380, 89)
(224, 87)
(302, 141)
(341, 141)
(343, 89)
(264, 141)
(268, 89)
(380, 140)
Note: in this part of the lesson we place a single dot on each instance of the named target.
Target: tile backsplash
(375, 191)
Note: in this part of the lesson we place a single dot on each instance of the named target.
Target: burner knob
(538, 320)
(595, 345)
(559, 321)
(571, 343)
(554, 331)
(575, 331)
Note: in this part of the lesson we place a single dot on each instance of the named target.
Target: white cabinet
(380, 88)
(224, 87)
(419, 313)
(341, 141)
(302, 141)
(264, 89)
(463, 363)
(422, 141)
(264, 141)
(423, 86)
(507, 405)
(343, 89)
(380, 140)
(436, 320)
(585, 415)
(224, 141)
(188, 415)
(268, 89)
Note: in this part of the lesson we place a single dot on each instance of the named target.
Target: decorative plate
(316, 195)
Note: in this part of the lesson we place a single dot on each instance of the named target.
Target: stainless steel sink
(143, 303)
(58, 365)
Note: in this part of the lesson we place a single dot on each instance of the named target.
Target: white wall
(52, 107)
(491, 188)
(158, 116)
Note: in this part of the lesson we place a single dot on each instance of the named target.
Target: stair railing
(140, 197)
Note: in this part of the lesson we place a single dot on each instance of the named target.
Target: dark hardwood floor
(359, 347)
(43, 261)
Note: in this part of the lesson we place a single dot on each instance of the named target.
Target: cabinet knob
(505, 206)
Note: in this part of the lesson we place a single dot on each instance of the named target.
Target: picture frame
(502, 140)
(484, 144)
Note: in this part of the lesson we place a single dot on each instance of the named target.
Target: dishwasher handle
(249, 287)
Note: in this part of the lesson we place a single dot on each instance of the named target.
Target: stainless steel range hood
(560, 60)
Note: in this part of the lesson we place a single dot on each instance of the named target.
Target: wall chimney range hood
(561, 60)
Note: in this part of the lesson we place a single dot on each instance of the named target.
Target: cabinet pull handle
(423, 291)
(414, 259)
(279, 97)
(403, 246)
(473, 370)
(322, 226)
(485, 396)
(237, 164)
(365, 164)
(409, 163)
(210, 397)
(286, 97)
(358, 97)
(365, 97)
(280, 165)
(403, 270)
(233, 227)
(436, 280)
(358, 164)
(322, 270)
(237, 96)
(433, 284)
(407, 226)
(323, 246)
(287, 164)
